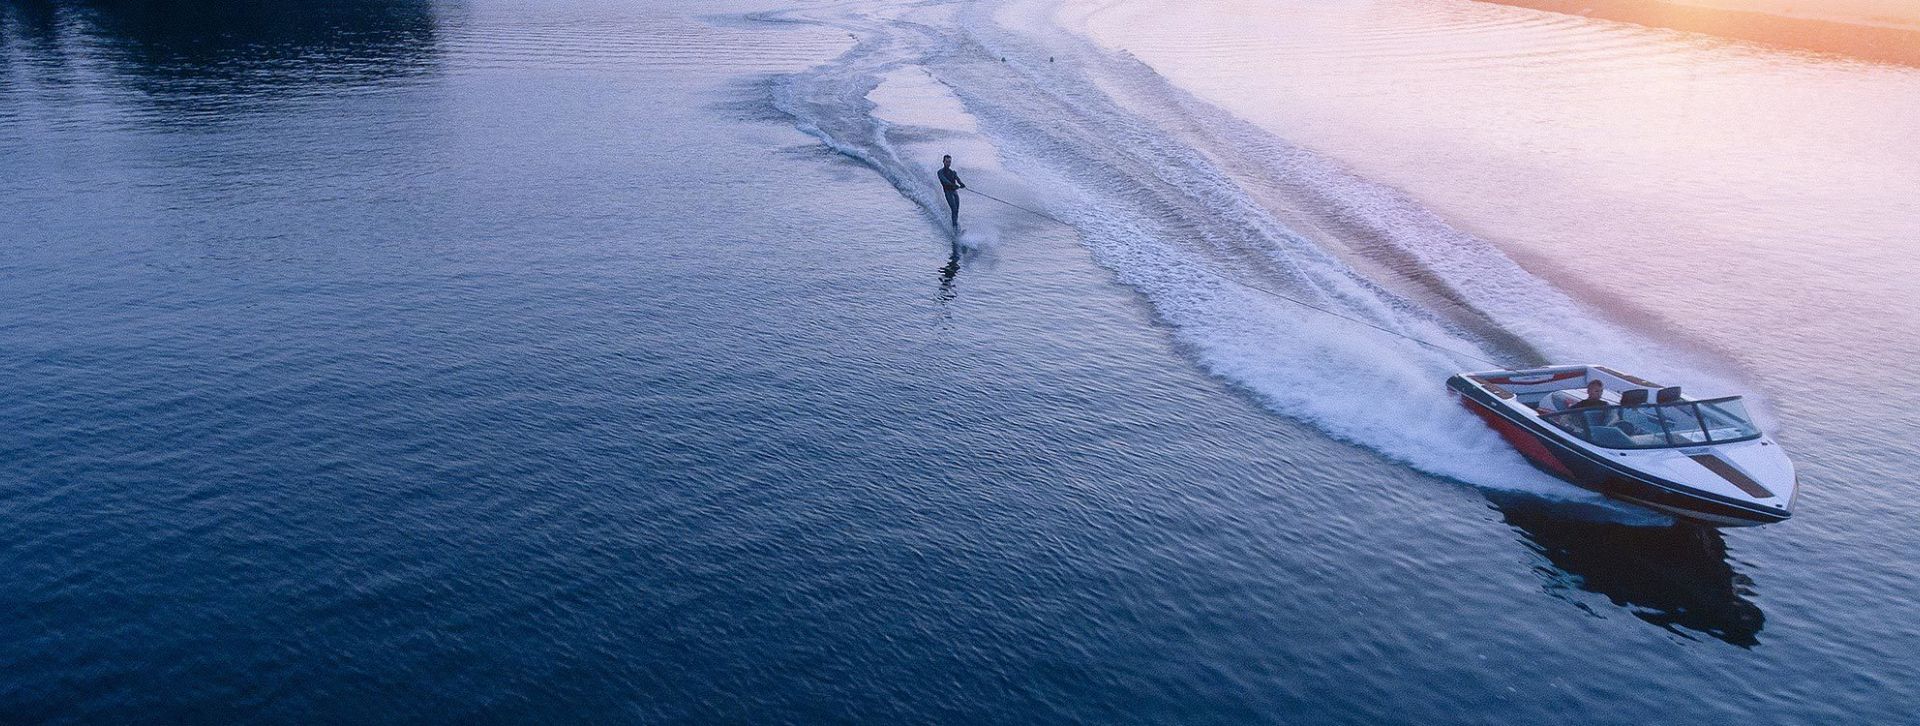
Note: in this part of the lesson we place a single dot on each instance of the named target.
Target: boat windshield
(1657, 426)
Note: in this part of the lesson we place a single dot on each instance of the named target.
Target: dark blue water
(420, 362)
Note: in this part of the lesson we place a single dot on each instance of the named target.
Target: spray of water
(1200, 212)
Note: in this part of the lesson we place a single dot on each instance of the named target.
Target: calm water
(498, 361)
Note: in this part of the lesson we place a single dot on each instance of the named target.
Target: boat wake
(1198, 211)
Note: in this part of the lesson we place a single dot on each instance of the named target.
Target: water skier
(951, 184)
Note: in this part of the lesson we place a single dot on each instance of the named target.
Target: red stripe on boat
(1521, 441)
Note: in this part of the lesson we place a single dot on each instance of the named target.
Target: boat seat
(1610, 437)
(1633, 397)
(1667, 395)
(1558, 401)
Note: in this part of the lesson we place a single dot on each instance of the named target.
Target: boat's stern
(1491, 395)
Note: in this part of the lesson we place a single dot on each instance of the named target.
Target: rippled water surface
(604, 361)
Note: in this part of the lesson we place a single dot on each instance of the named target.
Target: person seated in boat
(1558, 401)
(1595, 392)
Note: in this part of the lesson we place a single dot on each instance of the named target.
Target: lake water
(512, 361)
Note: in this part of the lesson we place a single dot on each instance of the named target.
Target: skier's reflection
(949, 272)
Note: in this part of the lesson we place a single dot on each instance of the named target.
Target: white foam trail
(1176, 198)
(979, 237)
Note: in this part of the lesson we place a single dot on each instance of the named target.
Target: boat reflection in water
(1677, 577)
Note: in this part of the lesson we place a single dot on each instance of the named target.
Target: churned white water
(405, 360)
(1202, 213)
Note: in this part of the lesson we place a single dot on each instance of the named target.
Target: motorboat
(1702, 460)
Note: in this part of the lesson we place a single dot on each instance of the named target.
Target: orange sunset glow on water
(1131, 362)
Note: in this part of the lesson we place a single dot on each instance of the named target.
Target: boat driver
(1595, 389)
(1565, 400)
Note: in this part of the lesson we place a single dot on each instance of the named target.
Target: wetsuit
(951, 184)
